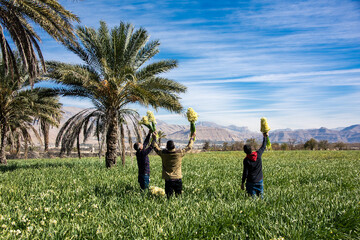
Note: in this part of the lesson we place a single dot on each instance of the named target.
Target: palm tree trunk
(101, 146)
(45, 130)
(78, 146)
(26, 149)
(62, 151)
(111, 141)
(130, 143)
(2, 145)
(122, 138)
(18, 146)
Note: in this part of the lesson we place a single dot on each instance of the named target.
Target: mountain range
(209, 131)
(216, 133)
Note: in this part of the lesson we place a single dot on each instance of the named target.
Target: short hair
(170, 145)
(247, 149)
(136, 146)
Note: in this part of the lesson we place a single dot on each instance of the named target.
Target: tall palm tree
(19, 105)
(115, 75)
(15, 19)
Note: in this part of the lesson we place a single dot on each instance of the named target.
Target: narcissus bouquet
(265, 129)
(149, 121)
(152, 120)
(156, 191)
(192, 116)
(145, 121)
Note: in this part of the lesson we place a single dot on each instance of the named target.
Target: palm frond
(156, 68)
(15, 18)
(146, 53)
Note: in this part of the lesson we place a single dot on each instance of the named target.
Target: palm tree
(161, 135)
(19, 105)
(49, 119)
(17, 115)
(15, 19)
(114, 75)
(19, 130)
(93, 121)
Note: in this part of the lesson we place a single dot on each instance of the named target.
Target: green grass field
(308, 195)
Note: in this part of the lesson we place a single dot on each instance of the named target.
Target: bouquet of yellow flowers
(265, 129)
(145, 121)
(152, 120)
(149, 121)
(156, 191)
(192, 116)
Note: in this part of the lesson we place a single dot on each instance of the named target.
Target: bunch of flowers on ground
(156, 191)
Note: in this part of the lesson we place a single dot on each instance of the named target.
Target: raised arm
(150, 148)
(146, 141)
(263, 146)
(190, 144)
(155, 146)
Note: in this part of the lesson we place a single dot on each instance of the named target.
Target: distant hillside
(214, 132)
(217, 133)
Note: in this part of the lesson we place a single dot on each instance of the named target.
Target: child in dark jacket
(252, 172)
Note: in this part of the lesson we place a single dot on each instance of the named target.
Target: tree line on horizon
(115, 72)
(311, 144)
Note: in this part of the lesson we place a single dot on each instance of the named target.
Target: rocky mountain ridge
(209, 131)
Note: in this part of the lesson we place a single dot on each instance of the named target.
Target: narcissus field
(308, 195)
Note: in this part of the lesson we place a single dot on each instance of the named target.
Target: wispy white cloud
(295, 77)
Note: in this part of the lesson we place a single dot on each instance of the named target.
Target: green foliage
(16, 19)
(323, 145)
(284, 146)
(311, 144)
(20, 105)
(225, 146)
(308, 195)
(206, 145)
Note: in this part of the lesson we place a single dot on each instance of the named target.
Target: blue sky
(295, 62)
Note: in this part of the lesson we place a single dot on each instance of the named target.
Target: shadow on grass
(13, 167)
(106, 191)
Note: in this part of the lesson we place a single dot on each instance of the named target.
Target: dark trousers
(173, 185)
(255, 189)
(144, 181)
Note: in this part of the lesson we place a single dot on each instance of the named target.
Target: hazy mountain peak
(355, 128)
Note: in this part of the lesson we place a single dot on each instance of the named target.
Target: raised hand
(154, 134)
